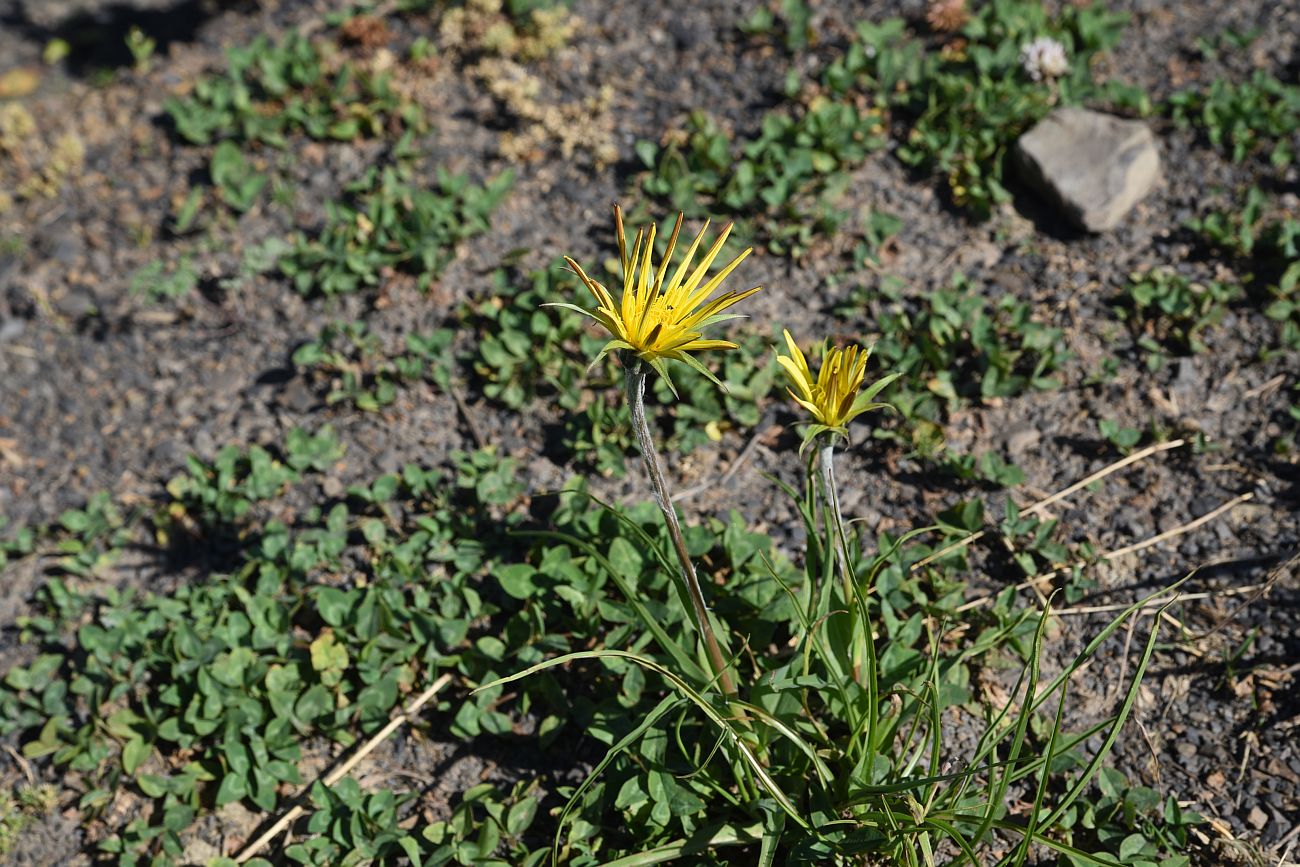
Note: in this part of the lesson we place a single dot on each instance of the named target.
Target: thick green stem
(635, 378)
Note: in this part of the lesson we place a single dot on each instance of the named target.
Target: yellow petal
(698, 274)
(707, 289)
(668, 253)
(796, 376)
(622, 238)
(797, 356)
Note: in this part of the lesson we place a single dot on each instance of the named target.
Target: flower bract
(661, 315)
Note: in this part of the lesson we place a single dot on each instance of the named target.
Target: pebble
(690, 31)
(1096, 167)
(11, 329)
(1187, 379)
(76, 302)
(1021, 440)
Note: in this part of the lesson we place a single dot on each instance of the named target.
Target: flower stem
(635, 379)
(862, 652)
(826, 468)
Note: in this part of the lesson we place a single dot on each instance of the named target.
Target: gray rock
(11, 329)
(77, 301)
(1095, 166)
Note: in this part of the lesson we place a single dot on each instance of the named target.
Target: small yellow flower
(833, 397)
(661, 317)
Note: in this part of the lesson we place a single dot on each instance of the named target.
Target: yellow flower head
(832, 398)
(659, 316)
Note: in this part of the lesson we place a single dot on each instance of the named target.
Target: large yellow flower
(660, 317)
(832, 397)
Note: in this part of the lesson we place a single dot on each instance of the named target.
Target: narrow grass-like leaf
(709, 838)
(686, 664)
(756, 767)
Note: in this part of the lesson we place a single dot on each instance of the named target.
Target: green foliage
(17, 545)
(386, 221)
(237, 184)
(257, 259)
(141, 46)
(84, 541)
(702, 412)
(352, 827)
(21, 808)
(222, 492)
(779, 185)
(1234, 232)
(1170, 312)
(1243, 117)
(845, 762)
(1284, 307)
(961, 106)
(1036, 547)
(92, 537)
(349, 826)
(599, 435)
(522, 349)
(1122, 438)
(791, 21)
(203, 696)
(1264, 243)
(486, 829)
(352, 364)
(955, 346)
(1229, 40)
(1134, 823)
(989, 468)
(157, 283)
(271, 90)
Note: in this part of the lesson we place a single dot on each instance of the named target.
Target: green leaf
(228, 668)
(134, 754)
(516, 579)
(232, 788)
(521, 816)
(315, 702)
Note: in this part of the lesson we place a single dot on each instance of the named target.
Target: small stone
(1094, 165)
(200, 851)
(11, 329)
(1187, 379)
(1257, 818)
(1023, 439)
(77, 301)
(690, 31)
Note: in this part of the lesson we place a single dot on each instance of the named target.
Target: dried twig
(342, 770)
(1181, 529)
(1119, 552)
(1158, 603)
(470, 421)
(1265, 387)
(1269, 580)
(23, 765)
(1059, 495)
